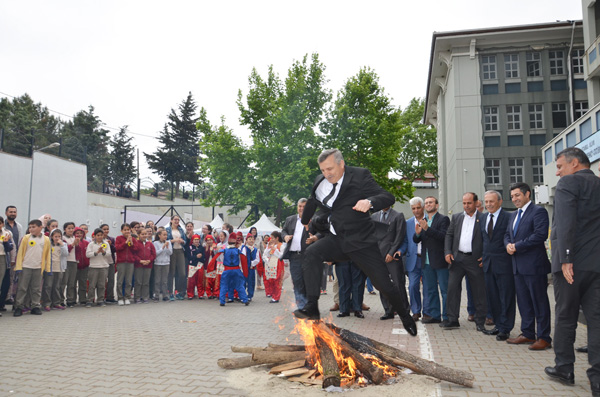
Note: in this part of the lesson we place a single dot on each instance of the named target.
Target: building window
(559, 146)
(585, 129)
(537, 169)
(488, 64)
(577, 61)
(490, 118)
(534, 64)
(571, 139)
(515, 140)
(537, 139)
(511, 66)
(581, 107)
(559, 115)
(513, 116)
(492, 171)
(548, 156)
(491, 141)
(557, 62)
(536, 116)
(515, 169)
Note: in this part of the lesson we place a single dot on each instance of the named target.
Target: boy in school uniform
(33, 259)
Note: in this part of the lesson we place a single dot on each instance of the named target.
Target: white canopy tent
(263, 226)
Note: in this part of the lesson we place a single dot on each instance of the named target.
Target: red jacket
(146, 252)
(82, 260)
(126, 253)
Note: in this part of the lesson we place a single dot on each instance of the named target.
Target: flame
(349, 372)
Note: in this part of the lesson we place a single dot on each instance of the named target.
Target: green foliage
(176, 158)
(419, 143)
(364, 125)
(121, 167)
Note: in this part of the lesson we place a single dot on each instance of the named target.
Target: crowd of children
(56, 269)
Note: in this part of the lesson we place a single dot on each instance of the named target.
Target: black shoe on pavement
(2, 309)
(450, 325)
(582, 349)
(567, 378)
(37, 311)
(431, 320)
(18, 313)
(343, 314)
(359, 314)
(387, 316)
(493, 331)
(501, 337)
(595, 389)
(480, 328)
(409, 324)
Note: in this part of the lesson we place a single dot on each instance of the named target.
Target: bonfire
(332, 356)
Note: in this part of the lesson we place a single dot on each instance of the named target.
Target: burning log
(276, 357)
(331, 371)
(402, 358)
(372, 372)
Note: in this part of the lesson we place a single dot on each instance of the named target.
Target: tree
(121, 167)
(419, 145)
(364, 125)
(282, 117)
(176, 160)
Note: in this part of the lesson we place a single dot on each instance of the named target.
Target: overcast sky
(135, 60)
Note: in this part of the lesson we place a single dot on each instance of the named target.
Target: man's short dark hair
(571, 153)
(9, 207)
(436, 200)
(35, 222)
(522, 186)
(475, 198)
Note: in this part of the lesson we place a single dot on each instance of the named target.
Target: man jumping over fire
(344, 196)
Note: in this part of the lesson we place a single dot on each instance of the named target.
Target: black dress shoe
(36, 311)
(480, 328)
(387, 316)
(567, 378)
(431, 320)
(582, 349)
(501, 337)
(409, 324)
(493, 331)
(450, 325)
(18, 313)
(343, 314)
(595, 389)
(359, 314)
(443, 323)
(307, 314)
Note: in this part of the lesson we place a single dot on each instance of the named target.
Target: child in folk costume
(196, 268)
(273, 267)
(51, 297)
(254, 259)
(223, 238)
(235, 268)
(211, 276)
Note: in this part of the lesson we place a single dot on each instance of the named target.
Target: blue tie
(517, 222)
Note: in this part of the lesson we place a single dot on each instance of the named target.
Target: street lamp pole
(52, 145)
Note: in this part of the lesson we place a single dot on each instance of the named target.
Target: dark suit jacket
(455, 230)
(530, 257)
(395, 233)
(495, 257)
(289, 227)
(576, 222)
(355, 229)
(433, 239)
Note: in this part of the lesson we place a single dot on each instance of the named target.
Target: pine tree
(121, 168)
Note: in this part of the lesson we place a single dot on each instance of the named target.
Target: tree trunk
(402, 358)
(331, 371)
(236, 363)
(276, 357)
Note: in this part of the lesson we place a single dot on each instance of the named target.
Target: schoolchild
(211, 276)
(143, 266)
(162, 263)
(98, 252)
(196, 268)
(51, 298)
(6, 250)
(126, 247)
(235, 268)
(69, 280)
(83, 264)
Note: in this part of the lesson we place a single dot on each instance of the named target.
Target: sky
(136, 60)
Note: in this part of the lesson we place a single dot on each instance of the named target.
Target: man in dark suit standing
(575, 264)
(497, 267)
(524, 240)
(344, 196)
(389, 242)
(463, 247)
(431, 233)
(294, 234)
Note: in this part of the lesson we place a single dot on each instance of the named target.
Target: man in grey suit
(294, 234)
(463, 248)
(389, 242)
(575, 242)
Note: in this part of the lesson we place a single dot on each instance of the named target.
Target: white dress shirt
(323, 191)
(466, 235)
(495, 219)
(297, 239)
(523, 209)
